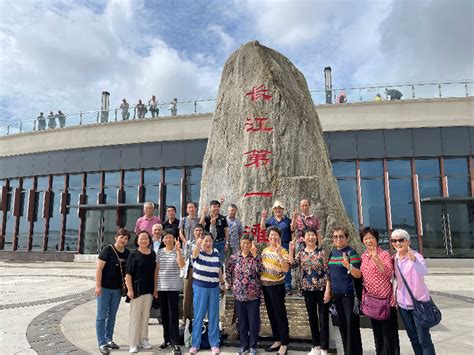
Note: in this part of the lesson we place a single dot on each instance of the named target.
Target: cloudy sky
(61, 54)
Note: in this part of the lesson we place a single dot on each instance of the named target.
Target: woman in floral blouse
(377, 274)
(316, 289)
(243, 277)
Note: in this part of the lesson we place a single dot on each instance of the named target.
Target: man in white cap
(284, 223)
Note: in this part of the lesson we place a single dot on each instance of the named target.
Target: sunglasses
(339, 236)
(398, 240)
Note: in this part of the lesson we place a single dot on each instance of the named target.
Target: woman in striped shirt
(167, 286)
(206, 277)
(275, 265)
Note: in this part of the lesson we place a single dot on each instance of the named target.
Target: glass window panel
(38, 225)
(74, 197)
(193, 193)
(459, 187)
(58, 182)
(456, 166)
(90, 240)
(42, 183)
(194, 175)
(348, 190)
(399, 167)
(152, 193)
(428, 167)
(129, 218)
(373, 204)
(10, 222)
(152, 177)
(131, 194)
(55, 221)
(344, 169)
(27, 183)
(93, 179)
(14, 183)
(91, 196)
(173, 175)
(112, 179)
(371, 168)
(72, 229)
(9, 226)
(173, 197)
(429, 187)
(93, 218)
(24, 226)
(110, 194)
(401, 205)
(132, 178)
(75, 181)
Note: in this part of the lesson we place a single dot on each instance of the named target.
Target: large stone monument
(266, 142)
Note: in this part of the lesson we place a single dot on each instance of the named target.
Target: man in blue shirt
(284, 223)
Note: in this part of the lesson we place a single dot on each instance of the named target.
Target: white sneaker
(324, 352)
(145, 344)
(315, 351)
(133, 349)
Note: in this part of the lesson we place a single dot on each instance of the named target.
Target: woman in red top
(377, 274)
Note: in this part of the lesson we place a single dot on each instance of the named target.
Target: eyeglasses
(398, 240)
(338, 236)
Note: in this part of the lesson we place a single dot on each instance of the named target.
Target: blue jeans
(107, 306)
(420, 337)
(220, 248)
(206, 300)
(286, 246)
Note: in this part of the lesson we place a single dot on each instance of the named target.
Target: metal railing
(447, 89)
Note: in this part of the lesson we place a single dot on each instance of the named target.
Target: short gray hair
(401, 233)
(149, 204)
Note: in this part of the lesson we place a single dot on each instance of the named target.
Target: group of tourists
(51, 122)
(141, 109)
(210, 254)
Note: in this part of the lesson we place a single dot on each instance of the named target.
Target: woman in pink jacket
(412, 265)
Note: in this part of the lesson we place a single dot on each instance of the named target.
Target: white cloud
(228, 42)
(368, 42)
(290, 23)
(66, 58)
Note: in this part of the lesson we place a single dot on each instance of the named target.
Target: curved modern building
(399, 164)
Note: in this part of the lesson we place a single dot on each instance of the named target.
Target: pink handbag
(375, 307)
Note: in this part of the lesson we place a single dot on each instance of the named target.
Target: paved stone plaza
(49, 308)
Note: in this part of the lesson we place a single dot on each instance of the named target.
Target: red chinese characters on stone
(258, 194)
(258, 157)
(259, 92)
(256, 232)
(257, 124)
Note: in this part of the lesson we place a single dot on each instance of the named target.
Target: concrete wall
(167, 129)
(397, 114)
(341, 117)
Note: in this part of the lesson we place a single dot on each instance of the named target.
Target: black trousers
(275, 302)
(349, 324)
(170, 315)
(386, 334)
(248, 314)
(315, 306)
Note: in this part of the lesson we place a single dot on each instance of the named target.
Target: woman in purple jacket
(413, 267)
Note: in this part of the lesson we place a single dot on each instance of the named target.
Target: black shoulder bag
(425, 312)
(124, 286)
